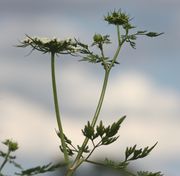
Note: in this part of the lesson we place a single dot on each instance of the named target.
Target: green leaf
(115, 165)
(141, 32)
(153, 34)
(149, 173)
(100, 129)
(129, 151)
(91, 58)
(109, 140)
(88, 131)
(113, 129)
(68, 141)
(130, 39)
(40, 169)
(69, 150)
(132, 153)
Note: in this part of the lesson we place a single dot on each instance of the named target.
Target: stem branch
(118, 48)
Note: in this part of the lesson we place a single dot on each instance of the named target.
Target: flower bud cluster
(13, 146)
(99, 40)
(117, 18)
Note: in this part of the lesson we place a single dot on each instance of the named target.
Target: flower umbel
(53, 45)
(117, 18)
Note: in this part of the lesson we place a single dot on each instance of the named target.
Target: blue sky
(145, 86)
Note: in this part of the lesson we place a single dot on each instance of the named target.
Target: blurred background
(145, 86)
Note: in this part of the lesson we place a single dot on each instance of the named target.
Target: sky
(145, 86)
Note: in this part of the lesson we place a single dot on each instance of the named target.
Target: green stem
(103, 58)
(118, 48)
(5, 160)
(119, 36)
(78, 161)
(94, 148)
(56, 105)
(98, 109)
(95, 163)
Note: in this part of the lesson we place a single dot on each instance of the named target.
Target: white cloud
(25, 123)
(133, 90)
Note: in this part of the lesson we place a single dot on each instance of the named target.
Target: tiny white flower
(44, 40)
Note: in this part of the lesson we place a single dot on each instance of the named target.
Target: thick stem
(98, 109)
(5, 160)
(56, 106)
(78, 161)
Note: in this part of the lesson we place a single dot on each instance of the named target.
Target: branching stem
(78, 160)
(94, 147)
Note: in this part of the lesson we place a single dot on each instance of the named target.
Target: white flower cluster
(45, 40)
(54, 45)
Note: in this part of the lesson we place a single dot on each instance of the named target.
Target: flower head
(13, 146)
(53, 45)
(99, 40)
(117, 18)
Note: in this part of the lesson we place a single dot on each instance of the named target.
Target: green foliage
(131, 38)
(39, 170)
(106, 134)
(88, 131)
(115, 165)
(87, 55)
(71, 149)
(149, 174)
(133, 154)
